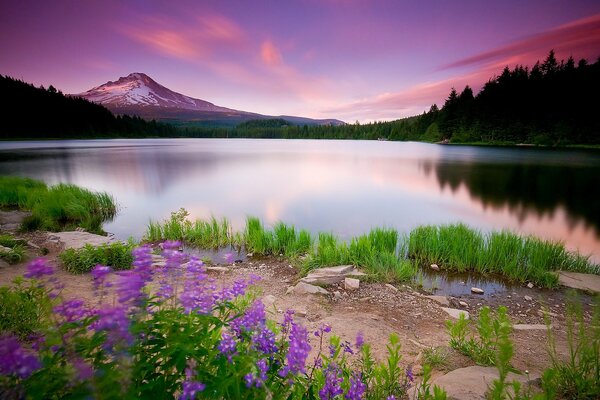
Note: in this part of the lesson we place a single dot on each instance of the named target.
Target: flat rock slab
(576, 280)
(306, 288)
(471, 383)
(331, 275)
(441, 300)
(77, 240)
(531, 327)
(455, 313)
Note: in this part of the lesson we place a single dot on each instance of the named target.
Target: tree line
(551, 103)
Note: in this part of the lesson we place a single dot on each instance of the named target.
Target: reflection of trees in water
(529, 188)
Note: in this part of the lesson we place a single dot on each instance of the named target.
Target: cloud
(270, 54)
(581, 36)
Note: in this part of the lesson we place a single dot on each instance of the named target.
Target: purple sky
(347, 59)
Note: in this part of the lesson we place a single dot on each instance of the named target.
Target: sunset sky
(345, 59)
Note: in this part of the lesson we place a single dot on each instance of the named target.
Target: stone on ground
(77, 240)
(269, 300)
(391, 287)
(435, 267)
(476, 290)
(472, 383)
(5, 249)
(455, 313)
(530, 327)
(441, 300)
(218, 269)
(351, 284)
(331, 275)
(576, 280)
(306, 288)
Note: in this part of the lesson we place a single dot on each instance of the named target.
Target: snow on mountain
(138, 89)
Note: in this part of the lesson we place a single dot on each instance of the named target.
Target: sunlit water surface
(345, 187)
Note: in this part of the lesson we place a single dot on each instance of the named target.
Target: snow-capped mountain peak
(139, 90)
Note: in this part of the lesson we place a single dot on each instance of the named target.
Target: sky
(354, 60)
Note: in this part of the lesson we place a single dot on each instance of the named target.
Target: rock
(530, 327)
(337, 295)
(528, 298)
(289, 290)
(391, 287)
(549, 313)
(472, 383)
(455, 313)
(269, 300)
(476, 290)
(530, 285)
(351, 284)
(218, 269)
(576, 280)
(77, 240)
(463, 304)
(306, 288)
(33, 245)
(331, 275)
(249, 254)
(435, 267)
(5, 249)
(441, 300)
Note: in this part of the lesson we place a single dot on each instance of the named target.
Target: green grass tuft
(116, 255)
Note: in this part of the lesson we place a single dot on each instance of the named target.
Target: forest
(550, 103)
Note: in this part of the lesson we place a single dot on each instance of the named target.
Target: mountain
(138, 94)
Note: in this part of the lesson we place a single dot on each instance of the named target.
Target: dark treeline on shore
(31, 113)
(551, 103)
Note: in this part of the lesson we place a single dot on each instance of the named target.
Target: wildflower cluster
(170, 328)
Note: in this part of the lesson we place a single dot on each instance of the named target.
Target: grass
(436, 357)
(460, 248)
(24, 309)
(58, 207)
(13, 250)
(383, 253)
(116, 255)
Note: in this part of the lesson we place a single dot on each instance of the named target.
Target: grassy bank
(58, 207)
(385, 254)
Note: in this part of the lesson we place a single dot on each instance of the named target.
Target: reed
(63, 206)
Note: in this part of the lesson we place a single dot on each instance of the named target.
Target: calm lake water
(345, 187)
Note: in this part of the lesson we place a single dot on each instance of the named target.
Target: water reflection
(341, 186)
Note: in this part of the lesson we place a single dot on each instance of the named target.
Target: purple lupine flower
(409, 374)
(197, 295)
(360, 341)
(99, 275)
(264, 341)
(142, 262)
(347, 348)
(323, 329)
(190, 387)
(115, 322)
(288, 317)
(391, 397)
(357, 387)
(333, 382)
(129, 287)
(258, 379)
(253, 318)
(72, 310)
(227, 346)
(299, 347)
(15, 360)
(38, 268)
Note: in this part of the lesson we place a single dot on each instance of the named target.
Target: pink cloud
(581, 37)
(270, 54)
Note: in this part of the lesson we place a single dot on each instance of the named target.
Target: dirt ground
(376, 310)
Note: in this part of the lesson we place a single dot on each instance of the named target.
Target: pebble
(463, 304)
(435, 267)
(528, 298)
(530, 285)
(391, 287)
(476, 290)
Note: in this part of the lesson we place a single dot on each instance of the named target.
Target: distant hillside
(138, 94)
(30, 112)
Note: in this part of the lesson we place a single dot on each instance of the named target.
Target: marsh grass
(116, 255)
(62, 206)
(460, 248)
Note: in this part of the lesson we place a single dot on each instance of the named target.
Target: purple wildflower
(253, 318)
(333, 382)
(409, 374)
(190, 387)
(357, 388)
(391, 397)
(323, 329)
(297, 352)
(99, 274)
(129, 287)
(259, 378)
(227, 346)
(115, 322)
(360, 341)
(288, 317)
(72, 310)
(14, 360)
(197, 294)
(83, 369)
(39, 268)
(142, 262)
(264, 341)
(347, 348)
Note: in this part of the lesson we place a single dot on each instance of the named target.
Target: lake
(345, 187)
